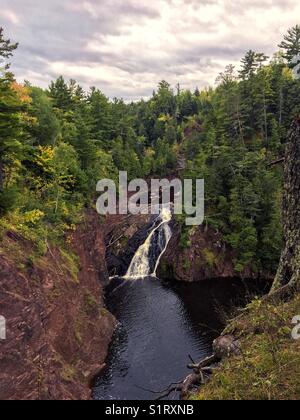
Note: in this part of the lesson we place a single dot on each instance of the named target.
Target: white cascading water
(148, 256)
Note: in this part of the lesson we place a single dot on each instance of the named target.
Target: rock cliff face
(123, 236)
(205, 257)
(58, 330)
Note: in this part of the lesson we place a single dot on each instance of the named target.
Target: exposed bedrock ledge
(58, 330)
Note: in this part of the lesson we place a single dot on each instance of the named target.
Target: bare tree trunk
(56, 201)
(238, 116)
(1, 174)
(265, 119)
(280, 105)
(289, 267)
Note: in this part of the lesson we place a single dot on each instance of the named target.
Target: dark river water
(160, 325)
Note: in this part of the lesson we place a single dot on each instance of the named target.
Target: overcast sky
(125, 47)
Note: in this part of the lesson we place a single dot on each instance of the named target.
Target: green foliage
(269, 359)
(244, 124)
(91, 305)
(71, 263)
(56, 144)
(6, 48)
(45, 129)
(13, 139)
(210, 257)
(164, 159)
(291, 43)
(8, 199)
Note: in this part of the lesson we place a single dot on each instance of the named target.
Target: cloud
(9, 16)
(125, 47)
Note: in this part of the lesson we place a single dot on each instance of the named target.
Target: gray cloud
(125, 47)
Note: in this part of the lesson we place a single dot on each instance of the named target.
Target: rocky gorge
(58, 326)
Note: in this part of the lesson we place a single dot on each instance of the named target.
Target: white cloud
(9, 15)
(125, 47)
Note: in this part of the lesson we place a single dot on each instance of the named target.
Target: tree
(249, 65)
(11, 106)
(65, 169)
(170, 134)
(55, 179)
(227, 77)
(197, 92)
(187, 105)
(126, 159)
(289, 268)
(61, 94)
(6, 49)
(291, 43)
(262, 98)
(164, 100)
(46, 128)
(100, 117)
(261, 58)
(165, 158)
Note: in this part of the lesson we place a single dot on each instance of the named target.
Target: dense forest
(55, 144)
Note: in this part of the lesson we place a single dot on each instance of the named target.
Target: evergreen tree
(227, 77)
(6, 50)
(46, 128)
(11, 145)
(291, 43)
(249, 65)
(61, 94)
(100, 117)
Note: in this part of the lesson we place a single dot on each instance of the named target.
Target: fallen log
(223, 347)
(204, 363)
(184, 387)
(276, 162)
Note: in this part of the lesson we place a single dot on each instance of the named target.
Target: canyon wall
(205, 256)
(58, 329)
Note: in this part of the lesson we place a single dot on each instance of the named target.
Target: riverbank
(268, 364)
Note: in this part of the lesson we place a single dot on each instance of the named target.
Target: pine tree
(227, 77)
(197, 92)
(61, 94)
(249, 65)
(165, 102)
(6, 50)
(291, 43)
(46, 128)
(11, 106)
(100, 117)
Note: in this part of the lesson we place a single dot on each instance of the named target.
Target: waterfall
(147, 258)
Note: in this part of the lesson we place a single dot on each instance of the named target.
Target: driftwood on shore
(223, 347)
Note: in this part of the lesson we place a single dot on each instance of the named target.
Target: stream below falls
(161, 323)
